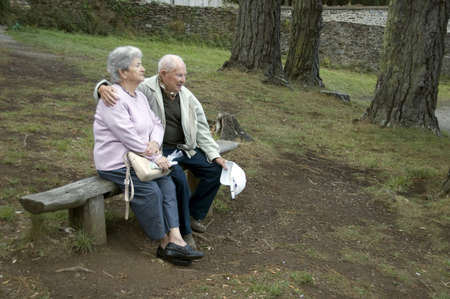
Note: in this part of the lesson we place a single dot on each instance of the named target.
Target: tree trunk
(407, 87)
(446, 185)
(302, 64)
(256, 45)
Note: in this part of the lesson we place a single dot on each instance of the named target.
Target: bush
(4, 10)
(370, 2)
(335, 2)
(92, 17)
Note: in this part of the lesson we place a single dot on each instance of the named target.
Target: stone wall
(207, 3)
(349, 44)
(210, 23)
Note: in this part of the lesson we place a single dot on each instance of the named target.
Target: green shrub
(4, 8)
(5, 11)
(335, 2)
(370, 2)
(92, 17)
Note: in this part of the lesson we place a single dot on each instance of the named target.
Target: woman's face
(174, 79)
(135, 72)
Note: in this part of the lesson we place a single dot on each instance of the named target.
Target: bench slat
(77, 193)
(68, 196)
(226, 145)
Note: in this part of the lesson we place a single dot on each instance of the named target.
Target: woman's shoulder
(141, 96)
(122, 96)
(119, 90)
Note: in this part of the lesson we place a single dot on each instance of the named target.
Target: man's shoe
(190, 240)
(176, 251)
(176, 261)
(197, 226)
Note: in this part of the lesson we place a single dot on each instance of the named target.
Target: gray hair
(120, 59)
(169, 62)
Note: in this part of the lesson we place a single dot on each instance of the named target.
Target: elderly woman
(132, 126)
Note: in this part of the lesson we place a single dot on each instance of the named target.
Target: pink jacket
(127, 126)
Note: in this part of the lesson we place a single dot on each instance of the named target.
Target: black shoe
(173, 260)
(189, 239)
(186, 252)
(197, 226)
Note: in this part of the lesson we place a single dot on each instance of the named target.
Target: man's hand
(221, 161)
(152, 148)
(108, 95)
(163, 163)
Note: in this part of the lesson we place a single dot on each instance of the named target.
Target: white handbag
(145, 171)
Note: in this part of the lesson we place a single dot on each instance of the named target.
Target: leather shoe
(190, 240)
(197, 226)
(176, 261)
(176, 251)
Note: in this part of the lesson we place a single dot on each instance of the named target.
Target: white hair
(169, 62)
(120, 59)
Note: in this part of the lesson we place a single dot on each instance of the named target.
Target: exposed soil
(293, 206)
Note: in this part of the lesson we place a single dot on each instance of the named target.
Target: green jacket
(193, 118)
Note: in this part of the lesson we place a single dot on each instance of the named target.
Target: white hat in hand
(234, 177)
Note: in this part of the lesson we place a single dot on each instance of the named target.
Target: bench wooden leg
(193, 183)
(91, 218)
(192, 180)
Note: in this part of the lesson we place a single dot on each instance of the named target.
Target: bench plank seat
(69, 196)
(85, 200)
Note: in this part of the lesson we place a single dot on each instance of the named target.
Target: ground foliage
(332, 209)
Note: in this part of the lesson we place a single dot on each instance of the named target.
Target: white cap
(234, 177)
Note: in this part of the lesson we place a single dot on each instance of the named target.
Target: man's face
(174, 79)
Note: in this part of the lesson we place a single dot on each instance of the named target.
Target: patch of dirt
(48, 67)
(294, 206)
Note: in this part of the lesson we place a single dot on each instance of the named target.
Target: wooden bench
(85, 200)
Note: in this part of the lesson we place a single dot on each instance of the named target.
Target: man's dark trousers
(201, 200)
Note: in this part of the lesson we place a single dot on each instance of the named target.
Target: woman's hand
(152, 148)
(108, 95)
(163, 163)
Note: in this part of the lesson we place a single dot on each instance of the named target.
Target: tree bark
(302, 64)
(256, 45)
(446, 185)
(407, 87)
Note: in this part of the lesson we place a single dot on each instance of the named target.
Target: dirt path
(285, 221)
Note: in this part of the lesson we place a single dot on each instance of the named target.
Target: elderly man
(186, 128)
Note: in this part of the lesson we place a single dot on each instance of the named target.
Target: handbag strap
(127, 183)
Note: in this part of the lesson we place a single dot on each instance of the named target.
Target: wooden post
(192, 181)
(91, 218)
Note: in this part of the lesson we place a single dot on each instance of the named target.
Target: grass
(82, 243)
(361, 86)
(302, 277)
(405, 167)
(7, 213)
(220, 204)
(260, 283)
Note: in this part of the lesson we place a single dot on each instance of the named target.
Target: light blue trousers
(154, 203)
